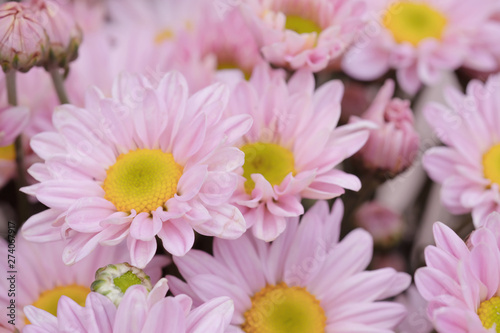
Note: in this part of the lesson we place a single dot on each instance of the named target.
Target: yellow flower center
(8, 153)
(283, 309)
(414, 21)
(272, 161)
(301, 25)
(164, 35)
(48, 299)
(491, 164)
(489, 313)
(142, 179)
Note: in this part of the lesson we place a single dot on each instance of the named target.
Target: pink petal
(177, 237)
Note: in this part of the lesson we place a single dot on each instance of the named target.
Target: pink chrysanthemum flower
(42, 278)
(292, 148)
(148, 161)
(305, 281)
(468, 166)
(419, 39)
(304, 34)
(461, 281)
(138, 312)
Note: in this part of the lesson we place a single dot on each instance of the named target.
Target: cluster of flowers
(212, 140)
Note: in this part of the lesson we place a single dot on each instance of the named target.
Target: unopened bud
(23, 43)
(113, 280)
(393, 146)
(64, 34)
(385, 226)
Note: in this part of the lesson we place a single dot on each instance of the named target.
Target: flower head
(304, 34)
(140, 311)
(23, 42)
(420, 40)
(392, 147)
(461, 281)
(467, 166)
(306, 280)
(149, 161)
(292, 148)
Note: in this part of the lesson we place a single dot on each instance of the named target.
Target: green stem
(58, 81)
(22, 200)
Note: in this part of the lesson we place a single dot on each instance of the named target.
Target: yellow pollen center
(164, 35)
(301, 25)
(414, 21)
(8, 153)
(142, 179)
(491, 164)
(272, 161)
(283, 309)
(489, 313)
(48, 299)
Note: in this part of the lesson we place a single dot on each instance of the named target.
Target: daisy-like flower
(47, 278)
(292, 148)
(305, 281)
(468, 166)
(139, 312)
(148, 161)
(304, 34)
(461, 281)
(419, 39)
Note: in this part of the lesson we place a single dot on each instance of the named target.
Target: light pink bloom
(97, 153)
(307, 257)
(461, 282)
(42, 264)
(448, 35)
(392, 147)
(139, 312)
(385, 226)
(304, 34)
(22, 39)
(298, 123)
(466, 166)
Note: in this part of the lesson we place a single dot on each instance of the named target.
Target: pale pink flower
(148, 161)
(467, 165)
(292, 148)
(420, 39)
(385, 226)
(41, 276)
(392, 147)
(306, 278)
(139, 312)
(304, 34)
(23, 42)
(461, 282)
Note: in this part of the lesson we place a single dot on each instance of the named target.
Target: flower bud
(62, 30)
(113, 280)
(393, 146)
(23, 43)
(385, 226)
